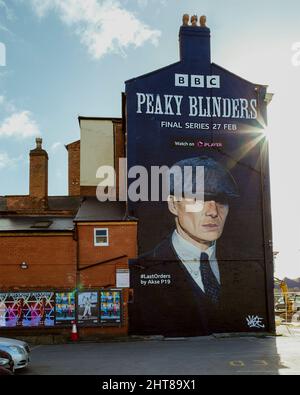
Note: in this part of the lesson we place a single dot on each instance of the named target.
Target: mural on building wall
(32, 309)
(87, 308)
(203, 254)
(65, 307)
(110, 307)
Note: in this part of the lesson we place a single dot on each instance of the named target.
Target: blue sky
(61, 62)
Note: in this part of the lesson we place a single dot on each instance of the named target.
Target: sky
(63, 58)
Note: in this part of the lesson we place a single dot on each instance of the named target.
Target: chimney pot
(203, 21)
(194, 20)
(39, 142)
(185, 20)
(194, 42)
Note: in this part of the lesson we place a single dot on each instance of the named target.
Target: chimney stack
(194, 40)
(38, 183)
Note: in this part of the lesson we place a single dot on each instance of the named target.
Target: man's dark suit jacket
(181, 308)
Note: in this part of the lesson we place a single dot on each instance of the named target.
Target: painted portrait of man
(185, 283)
(200, 223)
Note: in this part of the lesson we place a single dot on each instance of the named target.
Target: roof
(93, 210)
(64, 203)
(113, 119)
(34, 224)
(55, 203)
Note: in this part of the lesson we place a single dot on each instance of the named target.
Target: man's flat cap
(218, 181)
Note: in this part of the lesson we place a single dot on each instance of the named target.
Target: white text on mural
(196, 106)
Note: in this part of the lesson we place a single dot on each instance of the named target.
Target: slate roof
(93, 210)
(36, 223)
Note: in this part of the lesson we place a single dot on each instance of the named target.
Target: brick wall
(74, 168)
(51, 261)
(38, 180)
(122, 239)
(26, 203)
(88, 191)
(119, 149)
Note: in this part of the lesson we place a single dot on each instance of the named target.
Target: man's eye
(223, 204)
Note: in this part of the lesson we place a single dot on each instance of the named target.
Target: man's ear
(172, 204)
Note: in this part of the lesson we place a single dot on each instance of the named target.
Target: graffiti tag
(255, 322)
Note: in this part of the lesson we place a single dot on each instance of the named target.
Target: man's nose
(211, 209)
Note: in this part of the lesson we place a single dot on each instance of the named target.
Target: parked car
(14, 342)
(5, 372)
(4, 366)
(10, 365)
(18, 350)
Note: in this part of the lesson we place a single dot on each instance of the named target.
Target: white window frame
(101, 244)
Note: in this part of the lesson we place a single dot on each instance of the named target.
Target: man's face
(203, 225)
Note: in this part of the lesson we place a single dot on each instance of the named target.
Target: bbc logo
(197, 81)
(2, 55)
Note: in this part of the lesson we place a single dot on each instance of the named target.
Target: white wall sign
(123, 278)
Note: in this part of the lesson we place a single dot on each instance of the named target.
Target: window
(101, 237)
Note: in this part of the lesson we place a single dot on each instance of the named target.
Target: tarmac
(222, 355)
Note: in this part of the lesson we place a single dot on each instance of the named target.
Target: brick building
(67, 245)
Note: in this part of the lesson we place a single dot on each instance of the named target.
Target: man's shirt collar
(190, 257)
(188, 251)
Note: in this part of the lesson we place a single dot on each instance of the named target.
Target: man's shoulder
(163, 250)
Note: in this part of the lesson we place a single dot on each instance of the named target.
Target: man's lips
(210, 227)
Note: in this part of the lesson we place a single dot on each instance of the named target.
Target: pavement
(188, 356)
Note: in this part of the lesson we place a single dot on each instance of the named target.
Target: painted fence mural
(49, 309)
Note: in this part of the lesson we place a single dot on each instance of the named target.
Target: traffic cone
(74, 334)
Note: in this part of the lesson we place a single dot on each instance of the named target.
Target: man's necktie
(211, 285)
